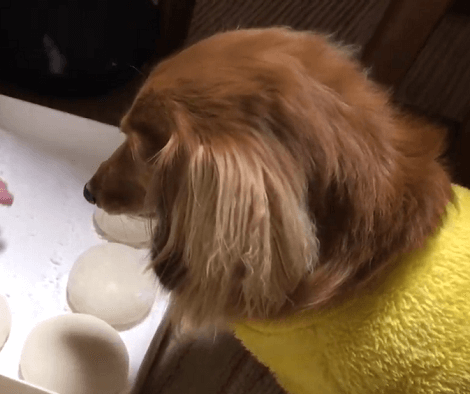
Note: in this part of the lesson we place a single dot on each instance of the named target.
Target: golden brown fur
(283, 178)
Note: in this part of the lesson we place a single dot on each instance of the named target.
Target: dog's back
(410, 335)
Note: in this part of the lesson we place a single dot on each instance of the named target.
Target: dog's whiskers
(136, 69)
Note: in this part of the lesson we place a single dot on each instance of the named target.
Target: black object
(461, 7)
(88, 196)
(71, 47)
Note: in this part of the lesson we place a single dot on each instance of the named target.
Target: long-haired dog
(282, 178)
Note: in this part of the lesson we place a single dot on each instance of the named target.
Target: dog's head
(280, 174)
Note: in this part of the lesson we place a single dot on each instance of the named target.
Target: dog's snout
(88, 195)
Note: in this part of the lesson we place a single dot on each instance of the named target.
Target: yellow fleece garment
(411, 335)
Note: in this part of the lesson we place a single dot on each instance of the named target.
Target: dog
(290, 191)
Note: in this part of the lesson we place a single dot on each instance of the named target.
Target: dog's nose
(88, 196)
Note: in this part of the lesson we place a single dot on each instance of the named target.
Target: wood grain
(400, 36)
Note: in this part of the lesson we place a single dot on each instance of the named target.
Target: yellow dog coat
(411, 335)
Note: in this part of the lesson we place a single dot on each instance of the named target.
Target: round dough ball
(5, 321)
(75, 354)
(124, 229)
(111, 282)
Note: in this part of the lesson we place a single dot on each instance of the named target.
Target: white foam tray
(46, 157)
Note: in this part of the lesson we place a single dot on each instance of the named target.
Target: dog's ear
(387, 195)
(236, 238)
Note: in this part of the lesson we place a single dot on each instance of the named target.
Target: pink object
(5, 197)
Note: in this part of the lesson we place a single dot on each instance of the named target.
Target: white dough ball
(5, 321)
(75, 354)
(124, 229)
(110, 281)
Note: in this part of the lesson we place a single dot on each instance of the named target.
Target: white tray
(46, 156)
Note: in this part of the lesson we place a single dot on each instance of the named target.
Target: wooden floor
(439, 80)
(206, 366)
(351, 21)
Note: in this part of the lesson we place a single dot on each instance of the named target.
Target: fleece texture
(410, 335)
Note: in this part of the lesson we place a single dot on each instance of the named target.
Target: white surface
(46, 157)
(75, 354)
(112, 282)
